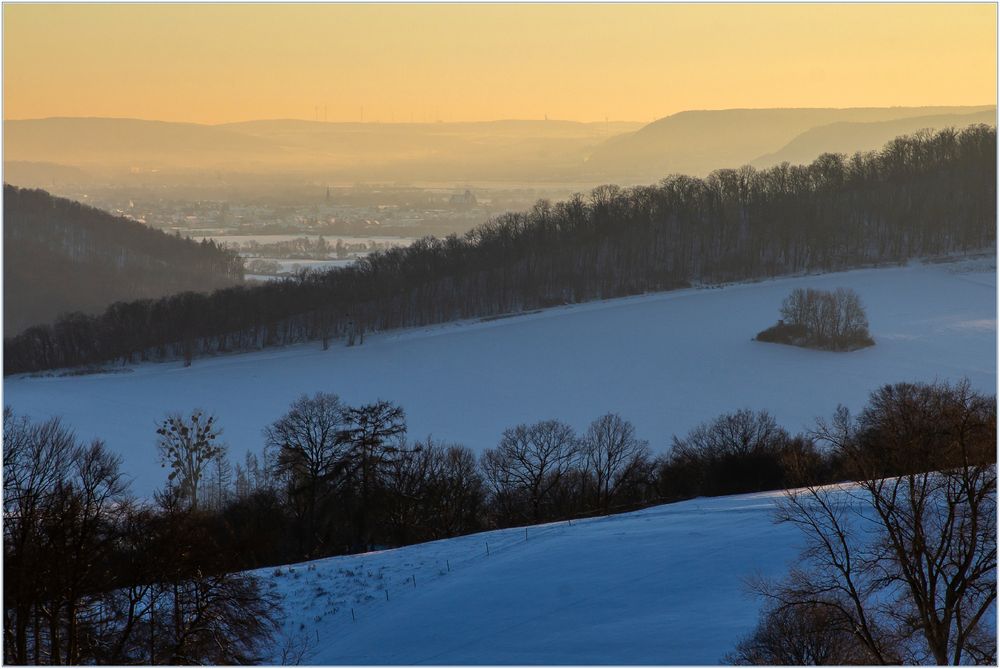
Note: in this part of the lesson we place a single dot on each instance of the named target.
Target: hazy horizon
(989, 103)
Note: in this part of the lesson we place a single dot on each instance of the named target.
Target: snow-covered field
(665, 361)
(239, 241)
(665, 585)
(287, 267)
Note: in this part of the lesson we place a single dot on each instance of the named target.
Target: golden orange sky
(231, 62)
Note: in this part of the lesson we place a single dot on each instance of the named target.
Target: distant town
(355, 211)
(290, 229)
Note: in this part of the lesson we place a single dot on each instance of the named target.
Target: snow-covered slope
(666, 585)
(666, 362)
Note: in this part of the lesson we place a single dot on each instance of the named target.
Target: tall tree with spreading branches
(187, 447)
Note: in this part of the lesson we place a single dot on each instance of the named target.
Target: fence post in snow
(387, 595)
(526, 534)
(487, 548)
(449, 564)
(414, 577)
(353, 619)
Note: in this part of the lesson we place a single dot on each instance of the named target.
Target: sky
(387, 62)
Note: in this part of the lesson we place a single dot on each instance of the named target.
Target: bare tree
(905, 558)
(853, 321)
(219, 481)
(218, 619)
(83, 534)
(375, 435)
(531, 461)
(797, 307)
(612, 454)
(458, 490)
(436, 492)
(742, 432)
(37, 458)
(201, 611)
(62, 505)
(736, 452)
(799, 635)
(311, 451)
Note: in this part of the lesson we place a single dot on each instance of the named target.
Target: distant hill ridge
(393, 150)
(691, 142)
(849, 137)
(61, 256)
(697, 142)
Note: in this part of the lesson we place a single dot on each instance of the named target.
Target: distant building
(466, 199)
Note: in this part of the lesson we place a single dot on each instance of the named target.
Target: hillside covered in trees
(62, 257)
(920, 195)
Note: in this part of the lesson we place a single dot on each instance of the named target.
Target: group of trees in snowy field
(920, 195)
(833, 320)
(903, 569)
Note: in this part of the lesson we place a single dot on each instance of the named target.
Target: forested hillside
(63, 257)
(920, 195)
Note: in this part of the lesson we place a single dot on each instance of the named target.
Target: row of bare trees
(352, 480)
(346, 478)
(335, 478)
(920, 195)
